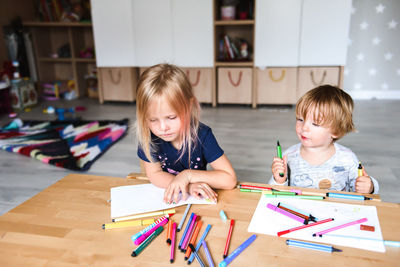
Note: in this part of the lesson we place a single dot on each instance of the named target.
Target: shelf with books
(63, 51)
(234, 50)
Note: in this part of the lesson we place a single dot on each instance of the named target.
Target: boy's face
(311, 134)
(164, 122)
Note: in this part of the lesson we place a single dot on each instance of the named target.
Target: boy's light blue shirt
(340, 171)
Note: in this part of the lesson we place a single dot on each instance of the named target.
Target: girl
(323, 115)
(173, 144)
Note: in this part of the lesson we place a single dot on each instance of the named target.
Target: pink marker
(340, 227)
(189, 233)
(284, 212)
(141, 238)
(173, 238)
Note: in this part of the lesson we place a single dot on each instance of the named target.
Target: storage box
(235, 85)
(117, 84)
(23, 94)
(276, 85)
(201, 80)
(311, 77)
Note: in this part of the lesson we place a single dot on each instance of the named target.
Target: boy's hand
(202, 189)
(179, 184)
(279, 166)
(364, 184)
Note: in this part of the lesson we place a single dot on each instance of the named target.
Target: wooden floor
(247, 135)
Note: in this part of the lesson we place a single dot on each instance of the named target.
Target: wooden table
(61, 226)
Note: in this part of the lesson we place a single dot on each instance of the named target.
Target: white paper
(135, 199)
(269, 222)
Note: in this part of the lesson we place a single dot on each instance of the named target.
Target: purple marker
(208, 255)
(189, 233)
(284, 212)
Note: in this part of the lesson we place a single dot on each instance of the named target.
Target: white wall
(373, 57)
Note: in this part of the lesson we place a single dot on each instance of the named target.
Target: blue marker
(223, 216)
(186, 229)
(347, 196)
(237, 251)
(199, 243)
(319, 247)
(183, 218)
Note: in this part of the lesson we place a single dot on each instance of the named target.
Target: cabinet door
(310, 78)
(113, 33)
(153, 31)
(276, 85)
(192, 33)
(277, 33)
(324, 32)
(234, 85)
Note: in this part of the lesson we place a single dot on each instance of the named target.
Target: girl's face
(311, 134)
(164, 122)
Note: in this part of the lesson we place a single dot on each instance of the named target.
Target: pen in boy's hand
(279, 154)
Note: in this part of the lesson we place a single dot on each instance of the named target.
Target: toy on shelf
(86, 53)
(61, 112)
(58, 89)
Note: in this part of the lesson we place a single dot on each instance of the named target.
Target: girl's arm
(156, 175)
(221, 177)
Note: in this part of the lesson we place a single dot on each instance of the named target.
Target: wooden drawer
(311, 77)
(276, 85)
(117, 84)
(235, 85)
(201, 80)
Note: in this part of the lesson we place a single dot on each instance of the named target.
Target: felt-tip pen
(237, 251)
(360, 169)
(347, 196)
(313, 246)
(279, 154)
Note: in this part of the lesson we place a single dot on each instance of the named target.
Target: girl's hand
(178, 185)
(364, 184)
(279, 166)
(202, 189)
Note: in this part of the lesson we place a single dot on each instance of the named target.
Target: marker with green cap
(147, 241)
(279, 154)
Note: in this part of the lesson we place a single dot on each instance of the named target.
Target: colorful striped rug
(73, 145)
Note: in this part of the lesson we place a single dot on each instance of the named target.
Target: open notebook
(135, 199)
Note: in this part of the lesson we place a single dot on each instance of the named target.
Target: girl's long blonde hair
(169, 84)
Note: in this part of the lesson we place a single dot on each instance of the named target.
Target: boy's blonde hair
(331, 106)
(167, 83)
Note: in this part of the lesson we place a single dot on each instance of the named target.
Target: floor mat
(73, 145)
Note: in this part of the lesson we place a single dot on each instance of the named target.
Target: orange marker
(169, 232)
(193, 239)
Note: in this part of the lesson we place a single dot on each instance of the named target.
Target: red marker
(303, 226)
(248, 186)
(228, 239)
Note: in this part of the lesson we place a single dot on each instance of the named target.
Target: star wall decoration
(392, 24)
(388, 56)
(364, 25)
(380, 8)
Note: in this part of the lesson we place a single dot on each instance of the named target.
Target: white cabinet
(152, 21)
(302, 32)
(324, 32)
(148, 32)
(192, 33)
(113, 33)
(277, 33)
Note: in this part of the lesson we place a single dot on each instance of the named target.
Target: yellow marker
(360, 170)
(128, 224)
(150, 214)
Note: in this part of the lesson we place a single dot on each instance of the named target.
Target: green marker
(279, 154)
(250, 190)
(147, 241)
(296, 196)
(279, 193)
